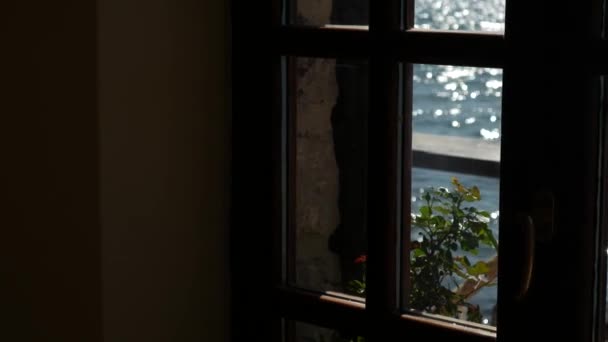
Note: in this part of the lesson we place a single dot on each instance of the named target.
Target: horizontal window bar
(323, 42)
(429, 47)
(350, 316)
(321, 309)
(413, 46)
(452, 47)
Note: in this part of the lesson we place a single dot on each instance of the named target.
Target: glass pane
(328, 149)
(466, 15)
(478, 302)
(458, 101)
(453, 248)
(329, 12)
(303, 332)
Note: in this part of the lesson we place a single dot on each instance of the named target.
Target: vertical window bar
(277, 14)
(406, 175)
(406, 93)
(279, 214)
(383, 132)
(290, 159)
(601, 241)
(385, 15)
(382, 190)
(400, 186)
(604, 18)
(285, 12)
(407, 14)
(286, 201)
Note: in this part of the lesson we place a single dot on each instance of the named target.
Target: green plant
(450, 230)
(357, 287)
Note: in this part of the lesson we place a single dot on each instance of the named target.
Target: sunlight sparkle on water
(455, 111)
(494, 84)
(468, 15)
(489, 135)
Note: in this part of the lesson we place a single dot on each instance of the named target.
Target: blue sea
(460, 101)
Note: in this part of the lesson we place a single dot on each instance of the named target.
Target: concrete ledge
(456, 154)
(456, 146)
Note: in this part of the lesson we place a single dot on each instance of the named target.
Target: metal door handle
(529, 240)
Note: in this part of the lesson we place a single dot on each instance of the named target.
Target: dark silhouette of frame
(553, 141)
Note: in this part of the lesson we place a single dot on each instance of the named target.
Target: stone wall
(337, 12)
(330, 160)
(313, 12)
(316, 175)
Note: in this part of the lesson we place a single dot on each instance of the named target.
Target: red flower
(361, 259)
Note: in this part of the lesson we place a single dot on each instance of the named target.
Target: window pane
(453, 247)
(329, 12)
(457, 101)
(479, 302)
(327, 172)
(466, 15)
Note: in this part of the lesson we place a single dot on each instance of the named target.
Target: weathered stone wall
(316, 175)
(331, 158)
(313, 12)
(337, 12)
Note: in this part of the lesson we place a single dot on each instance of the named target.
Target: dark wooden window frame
(382, 50)
(259, 201)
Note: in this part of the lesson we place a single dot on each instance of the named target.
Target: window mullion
(382, 190)
(407, 156)
(384, 15)
(383, 147)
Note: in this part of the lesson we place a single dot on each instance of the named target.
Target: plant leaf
(425, 211)
(478, 269)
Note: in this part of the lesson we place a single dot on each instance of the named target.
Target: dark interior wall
(50, 257)
(164, 169)
(114, 147)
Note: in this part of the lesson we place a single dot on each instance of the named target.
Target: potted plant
(450, 231)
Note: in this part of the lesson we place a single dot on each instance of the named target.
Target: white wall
(164, 154)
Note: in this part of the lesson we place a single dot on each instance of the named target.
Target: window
(298, 179)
